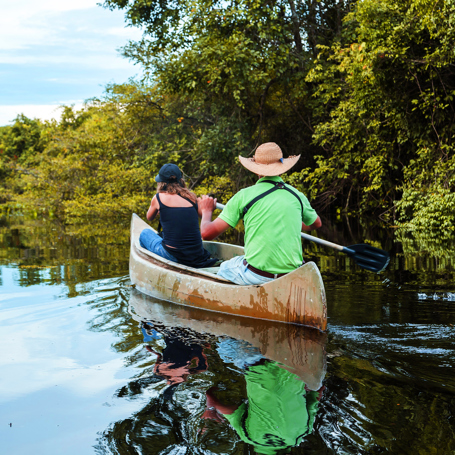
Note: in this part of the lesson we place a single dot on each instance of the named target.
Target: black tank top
(181, 232)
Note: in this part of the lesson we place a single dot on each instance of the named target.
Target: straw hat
(268, 160)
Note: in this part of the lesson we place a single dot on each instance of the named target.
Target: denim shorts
(153, 242)
(241, 353)
(234, 270)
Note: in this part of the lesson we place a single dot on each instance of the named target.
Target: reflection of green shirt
(272, 226)
(279, 413)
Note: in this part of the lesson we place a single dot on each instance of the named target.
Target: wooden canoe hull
(300, 350)
(298, 297)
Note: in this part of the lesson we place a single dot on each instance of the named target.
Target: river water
(89, 365)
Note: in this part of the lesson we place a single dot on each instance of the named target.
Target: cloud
(105, 61)
(56, 50)
(41, 111)
(30, 23)
(54, 350)
(32, 7)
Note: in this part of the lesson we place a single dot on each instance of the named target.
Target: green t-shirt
(279, 413)
(272, 225)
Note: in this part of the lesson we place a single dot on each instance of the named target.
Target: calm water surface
(89, 365)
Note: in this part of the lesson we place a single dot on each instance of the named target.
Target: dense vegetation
(363, 90)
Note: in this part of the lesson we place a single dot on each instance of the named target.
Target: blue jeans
(234, 270)
(154, 243)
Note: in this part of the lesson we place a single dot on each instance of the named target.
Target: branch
(261, 106)
(296, 26)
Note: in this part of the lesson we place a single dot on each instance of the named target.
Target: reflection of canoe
(300, 350)
(298, 297)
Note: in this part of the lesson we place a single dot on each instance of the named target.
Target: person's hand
(206, 203)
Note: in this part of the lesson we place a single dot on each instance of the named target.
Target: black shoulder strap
(158, 199)
(194, 204)
(276, 186)
(260, 196)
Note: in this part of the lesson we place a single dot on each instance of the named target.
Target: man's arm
(212, 402)
(210, 229)
(316, 225)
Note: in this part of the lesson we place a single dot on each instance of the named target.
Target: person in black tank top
(180, 240)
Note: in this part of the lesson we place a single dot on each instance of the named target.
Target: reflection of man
(279, 413)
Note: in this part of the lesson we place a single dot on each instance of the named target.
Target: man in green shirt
(273, 221)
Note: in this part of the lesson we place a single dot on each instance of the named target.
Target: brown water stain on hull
(259, 303)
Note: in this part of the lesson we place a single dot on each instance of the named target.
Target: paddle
(365, 256)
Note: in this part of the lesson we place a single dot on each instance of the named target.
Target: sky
(55, 52)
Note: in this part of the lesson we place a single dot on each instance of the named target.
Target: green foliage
(387, 85)
(427, 206)
(24, 140)
(92, 164)
(358, 97)
(363, 91)
(21, 140)
(239, 64)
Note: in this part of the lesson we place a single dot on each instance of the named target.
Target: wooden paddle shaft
(306, 236)
(322, 242)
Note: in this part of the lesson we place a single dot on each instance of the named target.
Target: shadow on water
(218, 382)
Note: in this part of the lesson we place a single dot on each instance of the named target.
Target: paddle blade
(368, 257)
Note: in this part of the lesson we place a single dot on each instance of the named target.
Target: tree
(22, 141)
(239, 65)
(387, 86)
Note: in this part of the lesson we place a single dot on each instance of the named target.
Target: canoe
(300, 350)
(297, 297)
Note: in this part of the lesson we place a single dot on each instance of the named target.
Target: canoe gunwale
(191, 271)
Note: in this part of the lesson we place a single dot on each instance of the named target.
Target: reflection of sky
(57, 377)
(54, 52)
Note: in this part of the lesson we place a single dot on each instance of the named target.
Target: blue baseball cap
(169, 173)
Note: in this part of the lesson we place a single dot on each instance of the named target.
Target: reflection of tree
(431, 244)
(74, 253)
(100, 248)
